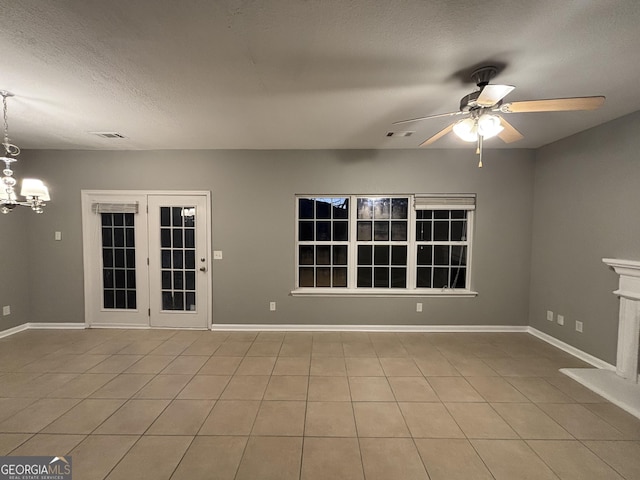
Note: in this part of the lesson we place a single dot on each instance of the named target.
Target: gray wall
(253, 224)
(14, 267)
(587, 199)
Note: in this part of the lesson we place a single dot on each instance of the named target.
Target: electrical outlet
(560, 319)
(272, 306)
(550, 315)
(418, 307)
(6, 310)
(578, 326)
(217, 254)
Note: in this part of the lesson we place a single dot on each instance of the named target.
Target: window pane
(107, 237)
(440, 277)
(128, 219)
(323, 277)
(176, 216)
(323, 255)
(131, 258)
(364, 231)
(424, 214)
(107, 219)
(441, 231)
(381, 208)
(441, 214)
(365, 208)
(119, 278)
(108, 299)
(459, 255)
(305, 255)
(165, 216)
(424, 277)
(190, 301)
(365, 254)
(381, 277)
(340, 255)
(425, 254)
(441, 255)
(323, 208)
(119, 258)
(381, 231)
(166, 258)
(121, 299)
(107, 278)
(305, 231)
(178, 259)
(190, 259)
(130, 238)
(305, 208)
(190, 280)
(118, 219)
(131, 299)
(364, 276)
(341, 208)
(423, 231)
(399, 231)
(458, 214)
(165, 238)
(398, 255)
(381, 255)
(177, 238)
(118, 237)
(189, 238)
(340, 277)
(398, 278)
(458, 277)
(323, 231)
(340, 231)
(178, 281)
(107, 257)
(305, 277)
(166, 280)
(458, 231)
(399, 207)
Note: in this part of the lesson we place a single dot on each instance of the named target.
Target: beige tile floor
(167, 404)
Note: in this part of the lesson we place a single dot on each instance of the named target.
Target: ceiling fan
(482, 109)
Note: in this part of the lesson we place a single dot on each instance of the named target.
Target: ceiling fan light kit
(484, 106)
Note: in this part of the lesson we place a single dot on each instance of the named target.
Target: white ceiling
(289, 74)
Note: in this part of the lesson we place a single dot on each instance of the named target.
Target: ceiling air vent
(108, 134)
(400, 134)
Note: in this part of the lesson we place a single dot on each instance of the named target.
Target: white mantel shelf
(620, 387)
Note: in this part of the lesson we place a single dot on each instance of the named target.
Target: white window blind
(445, 202)
(114, 207)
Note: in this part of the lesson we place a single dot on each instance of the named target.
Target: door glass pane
(178, 262)
(118, 261)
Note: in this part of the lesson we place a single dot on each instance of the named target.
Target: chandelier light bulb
(489, 126)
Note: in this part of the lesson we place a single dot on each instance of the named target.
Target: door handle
(203, 269)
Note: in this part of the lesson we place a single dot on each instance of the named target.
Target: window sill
(383, 292)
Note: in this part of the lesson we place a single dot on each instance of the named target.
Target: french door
(146, 259)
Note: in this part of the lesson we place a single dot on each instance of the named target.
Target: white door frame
(91, 282)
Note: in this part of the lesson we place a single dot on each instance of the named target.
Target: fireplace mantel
(629, 316)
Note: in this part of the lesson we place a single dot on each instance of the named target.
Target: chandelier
(34, 190)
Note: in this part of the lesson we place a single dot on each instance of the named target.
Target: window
(389, 245)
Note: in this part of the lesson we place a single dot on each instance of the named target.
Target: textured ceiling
(289, 74)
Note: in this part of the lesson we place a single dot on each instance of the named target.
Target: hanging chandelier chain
(10, 149)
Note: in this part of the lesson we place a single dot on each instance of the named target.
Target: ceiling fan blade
(509, 134)
(451, 114)
(492, 94)
(437, 136)
(553, 105)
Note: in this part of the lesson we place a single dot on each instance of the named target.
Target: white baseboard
(56, 326)
(14, 330)
(585, 357)
(236, 327)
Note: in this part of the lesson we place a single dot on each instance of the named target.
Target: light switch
(58, 236)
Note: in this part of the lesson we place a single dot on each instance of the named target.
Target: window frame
(441, 202)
